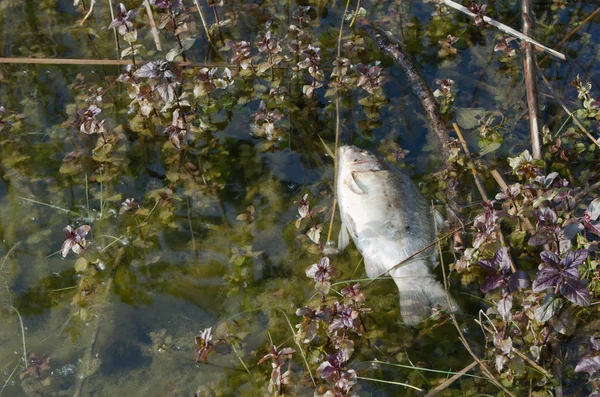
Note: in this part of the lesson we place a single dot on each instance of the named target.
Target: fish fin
(373, 267)
(352, 185)
(343, 238)
(419, 295)
(438, 219)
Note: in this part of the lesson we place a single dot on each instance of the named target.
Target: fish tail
(418, 295)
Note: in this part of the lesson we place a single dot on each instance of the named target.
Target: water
(124, 322)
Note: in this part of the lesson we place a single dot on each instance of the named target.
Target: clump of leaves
(204, 345)
(124, 26)
(75, 239)
(278, 379)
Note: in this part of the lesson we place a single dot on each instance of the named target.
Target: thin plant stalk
(505, 29)
(204, 25)
(22, 336)
(179, 43)
(89, 13)
(218, 22)
(112, 18)
(153, 27)
(529, 70)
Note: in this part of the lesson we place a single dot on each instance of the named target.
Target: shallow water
(188, 262)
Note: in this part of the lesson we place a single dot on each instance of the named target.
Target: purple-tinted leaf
(539, 239)
(572, 229)
(593, 210)
(488, 265)
(588, 364)
(82, 231)
(504, 306)
(492, 282)
(66, 247)
(547, 216)
(576, 292)
(593, 226)
(571, 273)
(501, 259)
(518, 280)
(575, 258)
(550, 307)
(548, 277)
(550, 258)
(594, 345)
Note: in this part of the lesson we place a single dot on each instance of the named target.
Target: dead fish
(389, 220)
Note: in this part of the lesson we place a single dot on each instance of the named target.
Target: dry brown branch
(529, 70)
(451, 380)
(89, 13)
(204, 25)
(421, 90)
(532, 363)
(104, 62)
(576, 29)
(505, 29)
(153, 27)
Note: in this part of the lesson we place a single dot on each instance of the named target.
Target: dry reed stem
(337, 129)
(89, 13)
(204, 25)
(451, 380)
(505, 29)
(478, 181)
(529, 70)
(153, 27)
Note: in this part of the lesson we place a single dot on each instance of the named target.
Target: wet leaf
(589, 365)
(550, 307)
(504, 307)
(576, 292)
(315, 233)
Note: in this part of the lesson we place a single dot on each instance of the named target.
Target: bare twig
(105, 62)
(337, 127)
(529, 70)
(89, 13)
(451, 380)
(532, 363)
(575, 119)
(422, 91)
(204, 25)
(478, 181)
(112, 17)
(153, 27)
(505, 29)
(582, 24)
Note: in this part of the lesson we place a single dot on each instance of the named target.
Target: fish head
(353, 159)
